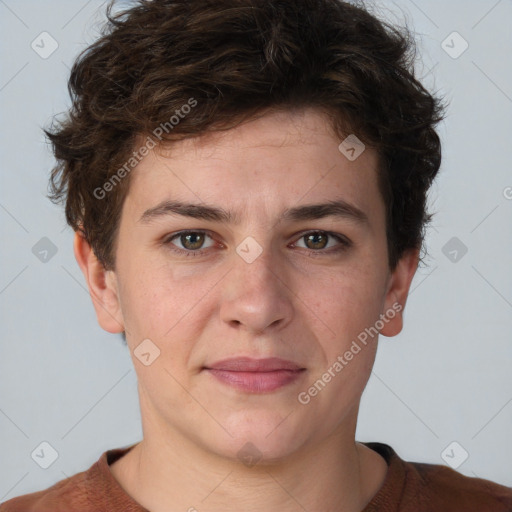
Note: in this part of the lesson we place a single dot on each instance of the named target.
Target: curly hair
(232, 60)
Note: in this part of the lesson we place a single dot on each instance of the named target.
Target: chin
(261, 437)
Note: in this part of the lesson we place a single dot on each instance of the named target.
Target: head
(226, 119)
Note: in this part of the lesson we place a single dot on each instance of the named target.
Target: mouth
(256, 375)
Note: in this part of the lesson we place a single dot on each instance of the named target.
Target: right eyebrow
(195, 211)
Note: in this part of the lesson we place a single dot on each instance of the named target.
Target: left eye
(317, 240)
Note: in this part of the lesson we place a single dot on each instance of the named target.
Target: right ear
(102, 286)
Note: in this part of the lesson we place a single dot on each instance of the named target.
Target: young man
(247, 180)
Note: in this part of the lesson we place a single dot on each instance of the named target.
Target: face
(261, 276)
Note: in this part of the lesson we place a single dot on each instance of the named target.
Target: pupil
(189, 240)
(314, 238)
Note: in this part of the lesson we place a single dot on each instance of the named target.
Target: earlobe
(397, 292)
(102, 286)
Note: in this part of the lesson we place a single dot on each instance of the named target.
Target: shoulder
(93, 490)
(449, 490)
(68, 494)
(421, 487)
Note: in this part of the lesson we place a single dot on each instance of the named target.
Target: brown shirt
(408, 487)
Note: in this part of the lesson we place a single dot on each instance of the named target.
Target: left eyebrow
(335, 208)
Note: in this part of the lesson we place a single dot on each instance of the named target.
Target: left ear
(397, 292)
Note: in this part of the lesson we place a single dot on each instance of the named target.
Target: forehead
(268, 164)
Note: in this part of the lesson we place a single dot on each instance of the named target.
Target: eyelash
(344, 243)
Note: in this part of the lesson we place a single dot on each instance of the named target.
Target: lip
(248, 364)
(255, 375)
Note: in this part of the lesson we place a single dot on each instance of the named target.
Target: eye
(317, 241)
(192, 242)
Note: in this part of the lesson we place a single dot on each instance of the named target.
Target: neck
(169, 472)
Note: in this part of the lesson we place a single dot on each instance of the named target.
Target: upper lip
(247, 364)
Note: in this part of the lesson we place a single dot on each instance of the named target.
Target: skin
(296, 301)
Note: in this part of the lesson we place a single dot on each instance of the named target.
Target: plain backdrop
(445, 379)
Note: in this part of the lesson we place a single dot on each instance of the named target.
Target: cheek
(347, 301)
(158, 302)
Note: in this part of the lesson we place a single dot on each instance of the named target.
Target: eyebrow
(336, 208)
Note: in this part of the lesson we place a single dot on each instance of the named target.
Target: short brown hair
(236, 59)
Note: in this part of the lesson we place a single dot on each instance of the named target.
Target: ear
(102, 286)
(397, 292)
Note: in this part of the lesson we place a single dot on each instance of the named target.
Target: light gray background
(445, 378)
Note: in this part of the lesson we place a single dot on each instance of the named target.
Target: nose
(256, 296)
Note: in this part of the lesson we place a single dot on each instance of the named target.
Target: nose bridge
(256, 295)
(256, 264)
(256, 267)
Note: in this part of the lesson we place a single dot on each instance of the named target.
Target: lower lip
(257, 382)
